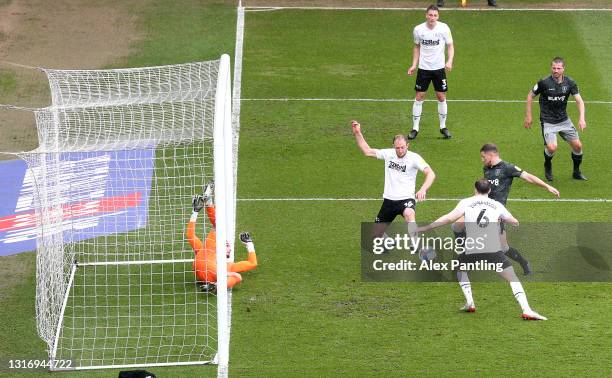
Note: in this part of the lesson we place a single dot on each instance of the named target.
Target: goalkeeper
(205, 263)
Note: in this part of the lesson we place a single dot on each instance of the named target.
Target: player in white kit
(401, 167)
(482, 219)
(430, 40)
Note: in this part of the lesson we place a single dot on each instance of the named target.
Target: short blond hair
(400, 136)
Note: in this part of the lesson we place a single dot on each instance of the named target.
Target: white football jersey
(432, 42)
(400, 173)
(482, 215)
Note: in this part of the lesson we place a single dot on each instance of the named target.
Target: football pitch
(304, 189)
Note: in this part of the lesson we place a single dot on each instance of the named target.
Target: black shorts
(424, 77)
(390, 209)
(494, 257)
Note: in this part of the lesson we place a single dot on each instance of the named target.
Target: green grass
(7, 82)
(184, 31)
(305, 311)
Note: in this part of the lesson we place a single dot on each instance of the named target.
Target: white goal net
(121, 154)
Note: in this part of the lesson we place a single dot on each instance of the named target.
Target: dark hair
(400, 136)
(489, 147)
(482, 186)
(433, 7)
(558, 59)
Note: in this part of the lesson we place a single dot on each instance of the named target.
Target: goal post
(121, 153)
(224, 174)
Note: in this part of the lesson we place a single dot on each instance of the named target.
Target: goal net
(121, 154)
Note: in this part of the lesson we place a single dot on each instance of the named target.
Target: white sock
(442, 111)
(466, 286)
(194, 216)
(417, 109)
(519, 294)
(412, 227)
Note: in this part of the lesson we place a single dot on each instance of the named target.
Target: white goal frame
(225, 167)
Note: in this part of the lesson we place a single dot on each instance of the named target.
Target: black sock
(459, 238)
(516, 256)
(547, 161)
(577, 159)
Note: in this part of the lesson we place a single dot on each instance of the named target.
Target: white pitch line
(255, 8)
(287, 99)
(314, 199)
(262, 9)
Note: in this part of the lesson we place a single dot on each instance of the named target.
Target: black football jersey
(553, 98)
(500, 176)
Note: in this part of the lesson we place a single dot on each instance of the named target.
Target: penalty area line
(323, 199)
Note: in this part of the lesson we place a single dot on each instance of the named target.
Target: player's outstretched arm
(416, 53)
(444, 219)
(580, 104)
(510, 220)
(430, 176)
(528, 113)
(537, 181)
(361, 142)
(197, 205)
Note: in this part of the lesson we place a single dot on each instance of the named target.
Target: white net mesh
(121, 154)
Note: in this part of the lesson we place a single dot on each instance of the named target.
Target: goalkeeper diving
(205, 263)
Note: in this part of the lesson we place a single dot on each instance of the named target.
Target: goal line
(323, 199)
(261, 8)
(310, 99)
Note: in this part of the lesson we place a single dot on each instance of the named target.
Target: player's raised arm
(430, 176)
(581, 111)
(537, 181)
(361, 142)
(528, 113)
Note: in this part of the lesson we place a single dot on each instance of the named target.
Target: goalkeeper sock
(466, 286)
(442, 112)
(417, 109)
(519, 294)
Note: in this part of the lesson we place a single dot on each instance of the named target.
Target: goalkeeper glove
(198, 202)
(207, 195)
(208, 287)
(245, 237)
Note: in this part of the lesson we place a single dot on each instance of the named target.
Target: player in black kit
(554, 92)
(500, 174)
